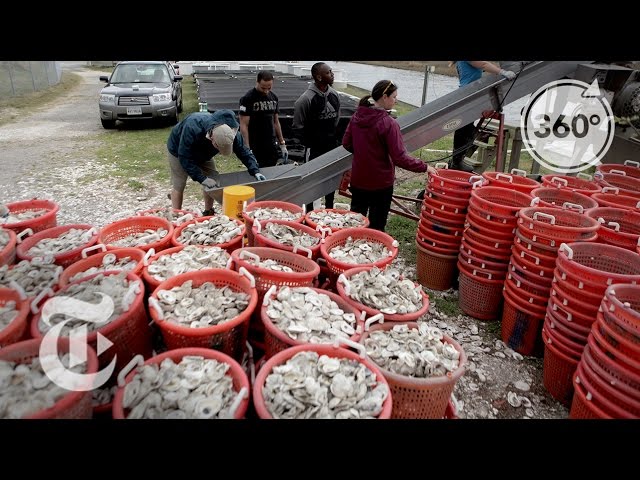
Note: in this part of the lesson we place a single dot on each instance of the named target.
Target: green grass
(404, 231)
(447, 305)
(13, 108)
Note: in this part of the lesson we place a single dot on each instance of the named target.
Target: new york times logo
(53, 367)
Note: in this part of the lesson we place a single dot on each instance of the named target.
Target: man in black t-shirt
(259, 123)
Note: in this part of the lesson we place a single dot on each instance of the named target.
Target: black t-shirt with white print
(260, 108)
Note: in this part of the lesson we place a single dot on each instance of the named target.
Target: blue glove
(260, 177)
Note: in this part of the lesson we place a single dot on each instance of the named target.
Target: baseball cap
(223, 136)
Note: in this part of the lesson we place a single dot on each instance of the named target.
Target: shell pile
(26, 390)
(195, 388)
(140, 239)
(176, 218)
(109, 262)
(308, 316)
(189, 259)
(122, 292)
(310, 385)
(203, 306)
(287, 235)
(414, 352)
(33, 275)
(213, 231)
(4, 238)
(273, 213)
(15, 217)
(103, 396)
(337, 219)
(65, 242)
(8, 312)
(359, 251)
(269, 264)
(383, 290)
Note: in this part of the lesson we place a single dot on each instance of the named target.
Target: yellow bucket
(235, 198)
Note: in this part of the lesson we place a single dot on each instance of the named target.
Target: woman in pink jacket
(374, 138)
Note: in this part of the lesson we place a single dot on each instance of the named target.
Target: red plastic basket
(262, 241)
(626, 185)
(65, 258)
(395, 317)
(512, 182)
(582, 407)
(120, 229)
(42, 222)
(420, 397)
(248, 221)
(434, 270)
(96, 260)
(330, 351)
(560, 198)
(574, 184)
(8, 253)
(129, 333)
(618, 226)
(17, 328)
(521, 328)
(623, 302)
(452, 179)
(340, 238)
(598, 263)
(499, 201)
(630, 168)
(562, 225)
(229, 337)
(176, 214)
(276, 340)
(615, 200)
(479, 296)
(73, 405)
(557, 371)
(309, 221)
(237, 374)
(150, 280)
(623, 387)
(230, 246)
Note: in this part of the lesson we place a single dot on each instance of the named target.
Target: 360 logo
(53, 367)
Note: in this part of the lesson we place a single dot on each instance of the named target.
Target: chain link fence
(22, 77)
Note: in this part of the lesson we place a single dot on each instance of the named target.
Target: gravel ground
(51, 154)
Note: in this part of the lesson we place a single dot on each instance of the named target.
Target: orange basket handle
(517, 171)
(21, 293)
(34, 304)
(245, 272)
(242, 394)
(632, 163)
(97, 246)
(569, 206)
(345, 341)
(26, 231)
(615, 190)
(136, 361)
(151, 252)
(245, 253)
(306, 250)
(378, 317)
(153, 303)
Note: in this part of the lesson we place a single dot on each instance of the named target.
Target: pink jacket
(374, 138)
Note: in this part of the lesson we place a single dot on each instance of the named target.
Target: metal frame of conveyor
(309, 181)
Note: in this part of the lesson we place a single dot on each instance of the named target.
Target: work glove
(508, 74)
(209, 184)
(260, 177)
(285, 154)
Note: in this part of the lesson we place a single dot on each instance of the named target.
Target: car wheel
(173, 120)
(108, 124)
(180, 106)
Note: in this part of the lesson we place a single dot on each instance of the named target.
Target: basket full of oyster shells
(270, 210)
(14, 313)
(321, 381)
(421, 365)
(185, 383)
(122, 259)
(65, 243)
(36, 214)
(7, 246)
(143, 232)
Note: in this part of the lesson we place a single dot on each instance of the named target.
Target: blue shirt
(467, 73)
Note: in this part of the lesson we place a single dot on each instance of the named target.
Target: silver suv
(141, 90)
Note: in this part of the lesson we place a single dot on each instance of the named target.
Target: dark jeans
(373, 204)
(465, 136)
(266, 155)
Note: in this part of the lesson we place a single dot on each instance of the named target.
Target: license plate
(134, 110)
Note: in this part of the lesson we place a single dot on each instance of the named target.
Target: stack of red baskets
(539, 234)
(626, 185)
(517, 180)
(618, 226)
(630, 168)
(582, 274)
(563, 198)
(610, 197)
(486, 248)
(581, 183)
(441, 224)
(607, 378)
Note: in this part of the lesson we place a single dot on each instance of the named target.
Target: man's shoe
(208, 213)
(460, 165)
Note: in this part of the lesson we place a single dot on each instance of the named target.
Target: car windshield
(139, 73)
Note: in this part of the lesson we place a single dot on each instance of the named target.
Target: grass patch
(135, 185)
(447, 305)
(404, 231)
(13, 108)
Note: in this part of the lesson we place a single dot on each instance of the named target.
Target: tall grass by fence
(22, 77)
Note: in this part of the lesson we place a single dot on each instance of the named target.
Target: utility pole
(427, 69)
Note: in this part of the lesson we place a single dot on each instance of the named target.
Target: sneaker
(208, 213)
(460, 165)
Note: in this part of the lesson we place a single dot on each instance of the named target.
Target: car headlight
(161, 97)
(106, 98)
